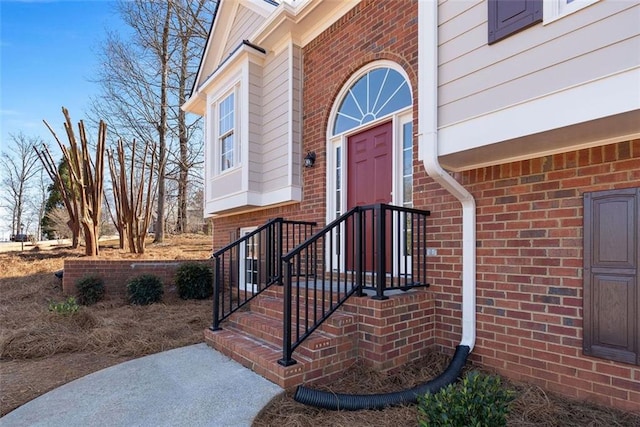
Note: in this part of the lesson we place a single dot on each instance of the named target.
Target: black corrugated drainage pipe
(354, 402)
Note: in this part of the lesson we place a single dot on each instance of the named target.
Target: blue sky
(49, 52)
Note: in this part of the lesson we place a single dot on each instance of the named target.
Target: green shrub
(478, 400)
(90, 290)
(70, 306)
(144, 289)
(194, 281)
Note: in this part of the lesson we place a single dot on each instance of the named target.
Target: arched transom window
(376, 94)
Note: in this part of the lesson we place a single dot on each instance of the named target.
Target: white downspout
(428, 153)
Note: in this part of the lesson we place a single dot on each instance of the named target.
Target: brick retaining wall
(116, 273)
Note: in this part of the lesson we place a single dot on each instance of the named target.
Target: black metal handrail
(379, 247)
(249, 265)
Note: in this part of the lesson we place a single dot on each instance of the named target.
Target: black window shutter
(510, 16)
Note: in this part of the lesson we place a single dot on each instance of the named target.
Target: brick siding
(529, 225)
(529, 269)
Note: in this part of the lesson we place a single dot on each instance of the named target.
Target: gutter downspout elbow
(428, 153)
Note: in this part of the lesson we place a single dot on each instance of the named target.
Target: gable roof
(253, 24)
(223, 20)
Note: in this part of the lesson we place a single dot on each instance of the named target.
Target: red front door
(369, 166)
(369, 181)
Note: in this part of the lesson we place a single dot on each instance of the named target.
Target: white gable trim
(221, 27)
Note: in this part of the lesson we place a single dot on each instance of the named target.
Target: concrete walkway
(189, 386)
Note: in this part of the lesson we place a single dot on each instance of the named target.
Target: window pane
(343, 124)
(226, 150)
(226, 114)
(407, 135)
(395, 97)
(407, 162)
(376, 94)
(407, 189)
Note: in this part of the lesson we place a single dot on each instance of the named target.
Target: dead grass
(41, 350)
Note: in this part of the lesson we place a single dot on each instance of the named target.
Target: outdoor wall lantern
(309, 159)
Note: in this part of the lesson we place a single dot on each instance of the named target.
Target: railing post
(216, 297)
(381, 273)
(286, 314)
(279, 249)
(359, 253)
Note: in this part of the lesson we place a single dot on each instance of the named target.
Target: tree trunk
(183, 161)
(162, 128)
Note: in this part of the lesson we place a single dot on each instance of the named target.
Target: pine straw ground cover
(532, 406)
(41, 350)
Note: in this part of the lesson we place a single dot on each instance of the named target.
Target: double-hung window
(229, 156)
(554, 9)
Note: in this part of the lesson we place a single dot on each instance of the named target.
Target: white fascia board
(303, 20)
(227, 202)
(289, 194)
(262, 7)
(607, 96)
(251, 200)
(196, 104)
(232, 65)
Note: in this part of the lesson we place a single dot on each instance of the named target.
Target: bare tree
(133, 195)
(20, 166)
(38, 202)
(189, 27)
(83, 194)
(145, 80)
(58, 223)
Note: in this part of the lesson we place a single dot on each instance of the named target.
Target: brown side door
(611, 279)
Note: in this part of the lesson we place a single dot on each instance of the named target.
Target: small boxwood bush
(478, 400)
(90, 290)
(144, 289)
(194, 281)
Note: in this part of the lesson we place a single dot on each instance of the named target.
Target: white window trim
(242, 273)
(552, 10)
(333, 141)
(403, 119)
(215, 131)
(398, 118)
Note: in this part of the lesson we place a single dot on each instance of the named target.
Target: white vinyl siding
(276, 125)
(296, 125)
(476, 78)
(566, 85)
(488, 78)
(244, 24)
(255, 127)
(225, 184)
(269, 110)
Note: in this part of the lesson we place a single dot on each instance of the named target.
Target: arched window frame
(336, 173)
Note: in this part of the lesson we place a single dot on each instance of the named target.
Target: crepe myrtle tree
(82, 193)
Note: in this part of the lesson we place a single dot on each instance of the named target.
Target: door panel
(369, 166)
(369, 181)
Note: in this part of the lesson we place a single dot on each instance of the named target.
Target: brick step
(262, 357)
(270, 330)
(277, 291)
(271, 306)
(257, 355)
